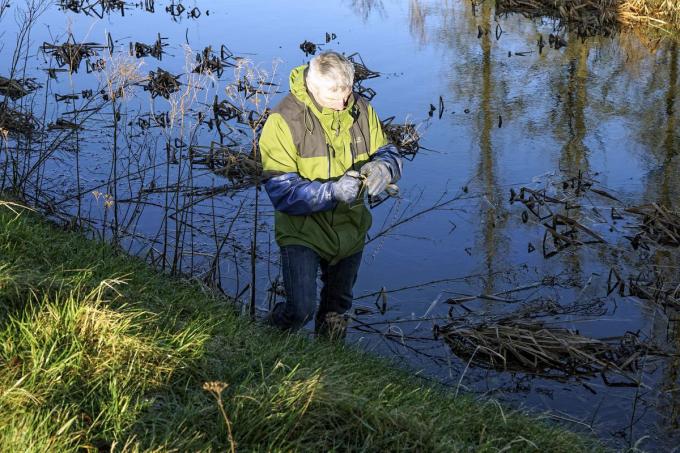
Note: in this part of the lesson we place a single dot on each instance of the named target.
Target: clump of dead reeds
(662, 14)
(240, 167)
(532, 347)
(659, 225)
(599, 17)
(405, 136)
(585, 17)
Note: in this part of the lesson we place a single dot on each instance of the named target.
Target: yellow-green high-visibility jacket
(320, 144)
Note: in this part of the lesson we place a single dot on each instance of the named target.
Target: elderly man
(321, 147)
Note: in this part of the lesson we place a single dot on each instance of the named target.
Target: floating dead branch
(162, 83)
(62, 124)
(155, 50)
(659, 225)
(585, 17)
(564, 232)
(65, 97)
(553, 352)
(404, 136)
(16, 89)
(70, 53)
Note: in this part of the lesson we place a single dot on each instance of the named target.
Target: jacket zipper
(328, 153)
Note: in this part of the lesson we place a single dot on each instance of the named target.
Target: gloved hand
(378, 176)
(347, 187)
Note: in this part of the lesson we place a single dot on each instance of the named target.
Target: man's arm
(287, 190)
(294, 195)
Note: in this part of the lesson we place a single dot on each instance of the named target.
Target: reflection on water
(515, 114)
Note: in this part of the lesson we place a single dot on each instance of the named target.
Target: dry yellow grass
(664, 14)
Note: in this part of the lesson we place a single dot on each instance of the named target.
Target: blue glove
(346, 189)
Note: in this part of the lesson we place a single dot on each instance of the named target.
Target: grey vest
(308, 134)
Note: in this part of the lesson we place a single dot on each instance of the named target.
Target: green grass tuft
(97, 351)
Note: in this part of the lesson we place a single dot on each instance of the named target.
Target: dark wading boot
(333, 326)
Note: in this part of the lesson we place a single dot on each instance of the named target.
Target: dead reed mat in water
(586, 17)
(659, 225)
(598, 17)
(532, 347)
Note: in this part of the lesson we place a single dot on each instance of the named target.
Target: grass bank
(98, 352)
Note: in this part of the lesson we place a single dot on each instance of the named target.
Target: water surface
(512, 117)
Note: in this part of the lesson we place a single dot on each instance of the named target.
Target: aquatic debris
(16, 89)
(62, 124)
(585, 17)
(567, 236)
(239, 167)
(65, 97)
(15, 123)
(208, 62)
(362, 73)
(150, 120)
(70, 53)
(95, 7)
(657, 289)
(155, 50)
(309, 48)
(225, 110)
(404, 136)
(659, 225)
(553, 352)
(162, 83)
(556, 41)
(95, 66)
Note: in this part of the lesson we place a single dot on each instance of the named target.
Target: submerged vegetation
(99, 352)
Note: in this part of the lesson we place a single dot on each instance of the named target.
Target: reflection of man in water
(313, 146)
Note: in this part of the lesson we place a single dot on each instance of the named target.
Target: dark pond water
(590, 128)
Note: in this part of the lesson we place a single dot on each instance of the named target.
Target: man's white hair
(330, 72)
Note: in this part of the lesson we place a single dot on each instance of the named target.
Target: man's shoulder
(289, 107)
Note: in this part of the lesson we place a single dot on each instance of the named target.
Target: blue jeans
(300, 267)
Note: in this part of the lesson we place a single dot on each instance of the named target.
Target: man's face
(336, 100)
